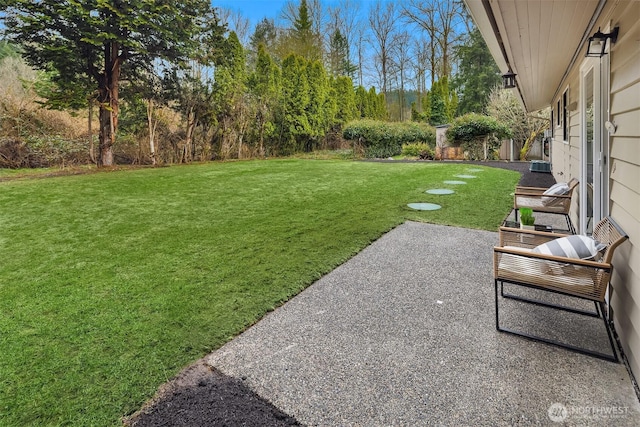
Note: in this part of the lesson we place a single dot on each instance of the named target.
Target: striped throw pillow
(582, 247)
(559, 189)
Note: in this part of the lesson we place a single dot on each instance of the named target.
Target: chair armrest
(531, 189)
(539, 202)
(536, 195)
(559, 259)
(528, 239)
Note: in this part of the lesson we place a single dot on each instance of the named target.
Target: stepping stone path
(440, 191)
(424, 206)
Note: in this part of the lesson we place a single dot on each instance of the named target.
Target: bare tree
(440, 20)
(401, 62)
(361, 41)
(450, 15)
(419, 63)
(382, 19)
(505, 107)
(236, 22)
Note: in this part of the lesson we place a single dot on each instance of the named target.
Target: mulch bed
(203, 396)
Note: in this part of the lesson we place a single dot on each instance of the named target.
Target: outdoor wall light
(509, 79)
(598, 42)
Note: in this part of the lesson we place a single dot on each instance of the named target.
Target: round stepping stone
(440, 191)
(475, 170)
(454, 182)
(424, 206)
(466, 176)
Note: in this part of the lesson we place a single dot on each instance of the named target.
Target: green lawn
(112, 282)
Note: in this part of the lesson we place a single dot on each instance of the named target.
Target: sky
(256, 10)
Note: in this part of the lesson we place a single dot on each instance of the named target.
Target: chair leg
(497, 314)
(570, 226)
(607, 325)
(580, 350)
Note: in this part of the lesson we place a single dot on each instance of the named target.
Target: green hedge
(385, 139)
(472, 130)
(420, 150)
(473, 126)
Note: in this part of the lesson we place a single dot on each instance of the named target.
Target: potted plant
(527, 220)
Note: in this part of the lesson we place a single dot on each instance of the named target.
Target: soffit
(538, 39)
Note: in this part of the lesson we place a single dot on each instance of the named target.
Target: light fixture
(598, 42)
(509, 79)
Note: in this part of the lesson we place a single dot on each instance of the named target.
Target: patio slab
(404, 334)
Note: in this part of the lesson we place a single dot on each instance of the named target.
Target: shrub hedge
(472, 126)
(385, 139)
(473, 130)
(420, 150)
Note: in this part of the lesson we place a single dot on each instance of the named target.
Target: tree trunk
(92, 148)
(108, 92)
(152, 131)
(191, 126)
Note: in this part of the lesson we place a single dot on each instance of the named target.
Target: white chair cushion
(559, 189)
(582, 247)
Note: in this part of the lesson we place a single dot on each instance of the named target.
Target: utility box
(540, 166)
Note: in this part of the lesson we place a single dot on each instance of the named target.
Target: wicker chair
(534, 198)
(515, 263)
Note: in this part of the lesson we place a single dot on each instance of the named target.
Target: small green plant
(526, 216)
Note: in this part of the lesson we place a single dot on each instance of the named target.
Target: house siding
(625, 176)
(624, 165)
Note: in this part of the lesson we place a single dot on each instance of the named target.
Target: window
(565, 115)
(552, 126)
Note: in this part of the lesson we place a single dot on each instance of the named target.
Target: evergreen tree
(293, 124)
(106, 41)
(265, 34)
(318, 93)
(330, 109)
(376, 105)
(339, 63)
(438, 109)
(346, 100)
(265, 86)
(8, 50)
(372, 108)
(228, 95)
(477, 74)
(303, 39)
(361, 101)
(442, 103)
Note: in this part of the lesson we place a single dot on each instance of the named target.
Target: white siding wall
(624, 163)
(625, 175)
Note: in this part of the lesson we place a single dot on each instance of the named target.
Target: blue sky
(256, 10)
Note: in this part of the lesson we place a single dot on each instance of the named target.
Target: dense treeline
(178, 90)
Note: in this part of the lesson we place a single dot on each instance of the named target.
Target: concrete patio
(404, 334)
